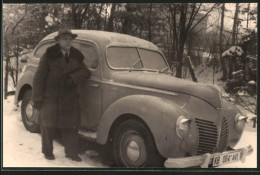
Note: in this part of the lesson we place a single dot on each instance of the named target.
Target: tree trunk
(99, 18)
(17, 61)
(189, 57)
(150, 22)
(110, 26)
(234, 33)
(75, 16)
(6, 67)
(6, 78)
(182, 40)
(127, 24)
(191, 69)
(105, 22)
(224, 69)
(179, 59)
(190, 43)
(247, 17)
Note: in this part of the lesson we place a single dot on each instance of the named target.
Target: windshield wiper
(164, 69)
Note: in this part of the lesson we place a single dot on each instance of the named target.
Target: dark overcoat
(61, 106)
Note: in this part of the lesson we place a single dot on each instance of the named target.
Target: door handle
(94, 85)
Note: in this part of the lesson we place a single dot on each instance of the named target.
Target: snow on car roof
(105, 39)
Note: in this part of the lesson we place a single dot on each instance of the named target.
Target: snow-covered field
(23, 149)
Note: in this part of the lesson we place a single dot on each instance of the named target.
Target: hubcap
(29, 111)
(133, 151)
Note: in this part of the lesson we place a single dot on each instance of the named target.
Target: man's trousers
(69, 135)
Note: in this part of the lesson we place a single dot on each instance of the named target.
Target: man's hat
(63, 31)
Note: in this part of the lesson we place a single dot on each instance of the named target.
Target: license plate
(226, 158)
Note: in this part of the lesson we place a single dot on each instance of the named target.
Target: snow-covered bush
(233, 51)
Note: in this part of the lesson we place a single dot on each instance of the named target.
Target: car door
(90, 91)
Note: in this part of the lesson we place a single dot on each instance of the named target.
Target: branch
(19, 21)
(168, 17)
(26, 16)
(203, 17)
(193, 17)
(47, 9)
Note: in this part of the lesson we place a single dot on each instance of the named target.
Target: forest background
(192, 36)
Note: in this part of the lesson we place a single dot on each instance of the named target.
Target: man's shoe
(49, 156)
(74, 157)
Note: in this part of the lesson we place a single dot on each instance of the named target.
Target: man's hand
(38, 105)
(69, 83)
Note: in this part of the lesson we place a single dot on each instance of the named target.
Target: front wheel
(134, 146)
(29, 113)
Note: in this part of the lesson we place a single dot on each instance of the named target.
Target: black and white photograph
(129, 85)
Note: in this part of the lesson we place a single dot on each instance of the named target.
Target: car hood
(207, 93)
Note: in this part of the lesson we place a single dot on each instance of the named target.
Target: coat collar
(54, 52)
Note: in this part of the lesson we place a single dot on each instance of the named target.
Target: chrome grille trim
(222, 146)
(208, 136)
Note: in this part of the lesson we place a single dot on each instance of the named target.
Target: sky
(228, 21)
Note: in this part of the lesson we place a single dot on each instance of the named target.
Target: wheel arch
(22, 91)
(25, 82)
(159, 115)
(123, 118)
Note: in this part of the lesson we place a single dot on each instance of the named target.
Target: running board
(89, 135)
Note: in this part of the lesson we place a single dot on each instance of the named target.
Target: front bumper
(206, 159)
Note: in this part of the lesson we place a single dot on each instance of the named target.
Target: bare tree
(184, 21)
(99, 17)
(9, 30)
(110, 25)
(79, 14)
(150, 22)
(232, 61)
(224, 77)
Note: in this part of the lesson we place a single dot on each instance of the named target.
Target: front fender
(160, 116)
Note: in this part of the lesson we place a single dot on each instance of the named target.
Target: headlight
(240, 122)
(182, 127)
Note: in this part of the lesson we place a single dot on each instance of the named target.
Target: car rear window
(89, 52)
(42, 49)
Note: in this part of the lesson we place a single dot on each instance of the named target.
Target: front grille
(208, 136)
(223, 136)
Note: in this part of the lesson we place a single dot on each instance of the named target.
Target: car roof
(105, 39)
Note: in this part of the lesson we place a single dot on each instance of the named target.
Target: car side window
(42, 49)
(90, 54)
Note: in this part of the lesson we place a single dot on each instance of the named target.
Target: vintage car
(146, 116)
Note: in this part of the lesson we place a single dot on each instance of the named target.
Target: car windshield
(132, 59)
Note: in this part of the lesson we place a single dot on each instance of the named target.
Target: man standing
(55, 94)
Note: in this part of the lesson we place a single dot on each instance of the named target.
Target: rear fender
(24, 83)
(159, 115)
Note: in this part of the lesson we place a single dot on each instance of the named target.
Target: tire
(29, 113)
(134, 146)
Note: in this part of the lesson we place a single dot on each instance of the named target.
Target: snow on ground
(23, 149)
(249, 136)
